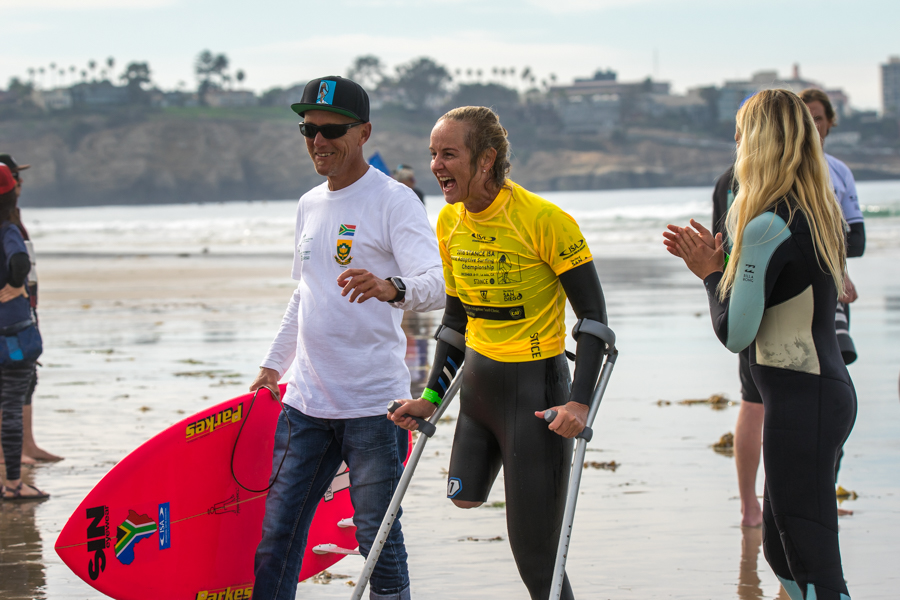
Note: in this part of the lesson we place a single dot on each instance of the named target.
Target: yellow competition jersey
(503, 263)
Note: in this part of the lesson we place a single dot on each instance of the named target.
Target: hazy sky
(697, 42)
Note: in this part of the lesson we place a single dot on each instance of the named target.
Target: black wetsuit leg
(749, 391)
(497, 426)
(800, 538)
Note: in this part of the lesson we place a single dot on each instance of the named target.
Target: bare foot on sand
(40, 454)
(26, 460)
(751, 514)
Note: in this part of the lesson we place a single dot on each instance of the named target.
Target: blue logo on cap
(326, 92)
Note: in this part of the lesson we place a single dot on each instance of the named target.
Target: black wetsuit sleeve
(19, 265)
(582, 286)
(720, 201)
(448, 359)
(856, 240)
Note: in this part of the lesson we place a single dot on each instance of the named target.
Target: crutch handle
(424, 426)
(586, 434)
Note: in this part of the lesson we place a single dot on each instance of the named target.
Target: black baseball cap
(334, 94)
(10, 162)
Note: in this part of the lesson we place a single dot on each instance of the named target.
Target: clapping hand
(702, 252)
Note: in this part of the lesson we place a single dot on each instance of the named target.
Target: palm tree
(110, 62)
(92, 65)
(31, 72)
(83, 75)
(240, 76)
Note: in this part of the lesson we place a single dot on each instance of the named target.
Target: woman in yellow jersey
(510, 260)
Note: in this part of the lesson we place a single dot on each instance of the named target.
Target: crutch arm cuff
(451, 336)
(596, 329)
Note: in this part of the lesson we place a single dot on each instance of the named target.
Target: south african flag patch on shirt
(347, 230)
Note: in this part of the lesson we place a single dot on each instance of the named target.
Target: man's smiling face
(332, 158)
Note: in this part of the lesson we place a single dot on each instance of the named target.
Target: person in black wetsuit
(776, 294)
(510, 260)
(748, 428)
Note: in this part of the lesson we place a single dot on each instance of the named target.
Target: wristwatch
(401, 289)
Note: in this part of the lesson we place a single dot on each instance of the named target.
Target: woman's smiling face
(451, 161)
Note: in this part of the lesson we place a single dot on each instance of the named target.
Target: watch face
(398, 283)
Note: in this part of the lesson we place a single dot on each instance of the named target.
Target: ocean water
(619, 222)
(152, 313)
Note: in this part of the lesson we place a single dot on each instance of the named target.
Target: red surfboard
(169, 520)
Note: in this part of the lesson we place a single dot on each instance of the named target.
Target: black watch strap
(401, 289)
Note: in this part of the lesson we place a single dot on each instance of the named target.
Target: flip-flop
(17, 493)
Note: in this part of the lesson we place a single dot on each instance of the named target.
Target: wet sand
(136, 342)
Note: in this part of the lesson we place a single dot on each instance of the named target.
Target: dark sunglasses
(329, 132)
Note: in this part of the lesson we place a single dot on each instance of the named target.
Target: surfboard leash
(237, 439)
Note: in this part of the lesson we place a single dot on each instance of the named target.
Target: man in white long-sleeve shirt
(363, 252)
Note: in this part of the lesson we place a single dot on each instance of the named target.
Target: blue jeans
(374, 449)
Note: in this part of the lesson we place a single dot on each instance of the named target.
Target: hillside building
(56, 99)
(733, 93)
(890, 87)
(596, 105)
(99, 94)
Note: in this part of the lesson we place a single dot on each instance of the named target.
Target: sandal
(17, 493)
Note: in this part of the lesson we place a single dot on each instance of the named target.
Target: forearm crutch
(606, 334)
(428, 429)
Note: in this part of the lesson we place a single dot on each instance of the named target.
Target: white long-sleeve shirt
(347, 360)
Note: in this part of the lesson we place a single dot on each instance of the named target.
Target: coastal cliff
(165, 158)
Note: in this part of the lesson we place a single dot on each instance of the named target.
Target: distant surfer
(405, 175)
(359, 236)
(514, 363)
(16, 368)
(776, 294)
(30, 450)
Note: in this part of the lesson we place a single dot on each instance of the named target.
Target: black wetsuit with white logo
(782, 307)
(497, 427)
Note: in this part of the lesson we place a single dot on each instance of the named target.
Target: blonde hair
(780, 159)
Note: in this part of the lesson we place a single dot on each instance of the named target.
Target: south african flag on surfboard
(132, 530)
(347, 230)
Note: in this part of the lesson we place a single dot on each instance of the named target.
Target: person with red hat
(31, 452)
(17, 363)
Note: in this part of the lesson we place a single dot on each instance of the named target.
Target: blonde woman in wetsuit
(776, 294)
(510, 260)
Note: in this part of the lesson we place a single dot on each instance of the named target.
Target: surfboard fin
(345, 523)
(333, 549)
